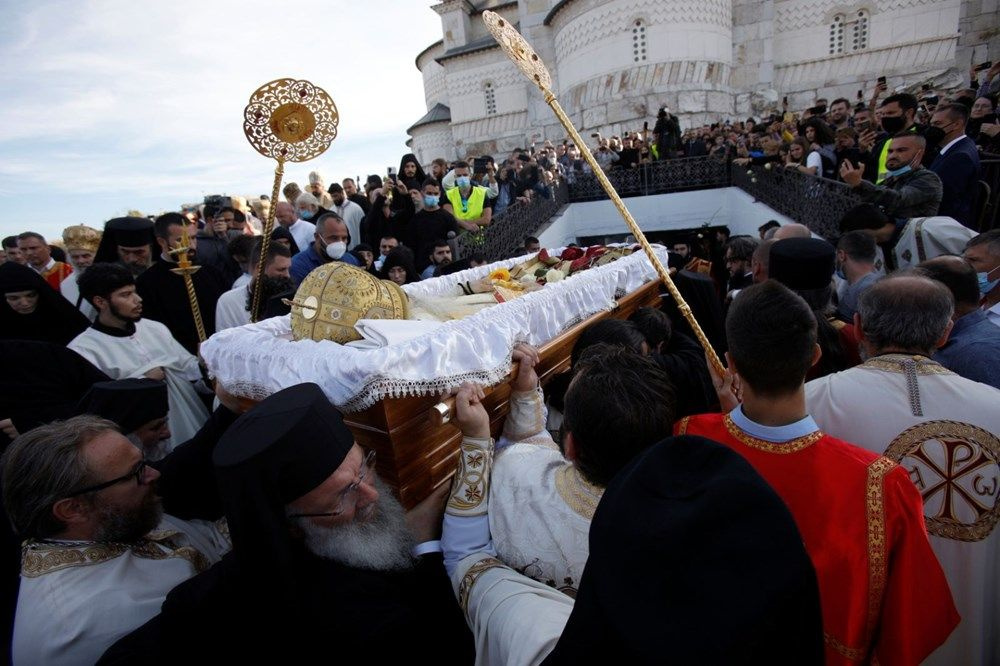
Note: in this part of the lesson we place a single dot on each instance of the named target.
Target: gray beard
(381, 543)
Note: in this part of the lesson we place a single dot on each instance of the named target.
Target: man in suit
(957, 163)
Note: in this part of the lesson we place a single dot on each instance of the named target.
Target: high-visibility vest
(473, 208)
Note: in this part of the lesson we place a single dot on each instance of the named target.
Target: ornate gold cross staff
(291, 121)
(186, 269)
(521, 53)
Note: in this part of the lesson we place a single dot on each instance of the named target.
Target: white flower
(553, 275)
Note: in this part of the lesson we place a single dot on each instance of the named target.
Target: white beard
(383, 542)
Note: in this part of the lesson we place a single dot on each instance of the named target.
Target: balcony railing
(507, 231)
(661, 177)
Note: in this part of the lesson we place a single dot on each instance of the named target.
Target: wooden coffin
(415, 456)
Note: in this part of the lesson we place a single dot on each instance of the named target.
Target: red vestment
(55, 275)
(885, 598)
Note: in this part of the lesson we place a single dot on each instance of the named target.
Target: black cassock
(165, 299)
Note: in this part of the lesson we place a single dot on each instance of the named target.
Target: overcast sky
(111, 105)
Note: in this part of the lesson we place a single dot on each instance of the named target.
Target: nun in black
(411, 173)
(291, 476)
(32, 310)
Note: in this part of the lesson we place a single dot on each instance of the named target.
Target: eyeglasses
(137, 473)
(347, 495)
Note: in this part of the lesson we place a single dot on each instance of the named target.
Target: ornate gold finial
(81, 237)
(518, 50)
(290, 120)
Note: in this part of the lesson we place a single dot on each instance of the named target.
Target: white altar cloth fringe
(256, 360)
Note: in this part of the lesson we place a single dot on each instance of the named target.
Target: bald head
(958, 276)
(792, 230)
(284, 213)
(906, 314)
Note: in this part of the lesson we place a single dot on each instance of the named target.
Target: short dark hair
(989, 238)
(210, 211)
(919, 138)
(103, 279)
(440, 242)
(840, 100)
(618, 403)
(863, 216)
(764, 228)
(162, 224)
(335, 188)
(274, 250)
(654, 324)
(906, 101)
(31, 234)
(956, 274)
(958, 112)
(906, 311)
(430, 181)
(772, 334)
(242, 246)
(741, 247)
(461, 164)
(9, 241)
(610, 332)
(531, 239)
(858, 246)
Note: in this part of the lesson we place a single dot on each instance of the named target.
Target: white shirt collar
(46, 267)
(784, 433)
(951, 143)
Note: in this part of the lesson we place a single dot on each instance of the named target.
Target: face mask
(985, 284)
(306, 214)
(336, 250)
(893, 125)
(430, 201)
(840, 272)
(463, 181)
(900, 171)
(934, 135)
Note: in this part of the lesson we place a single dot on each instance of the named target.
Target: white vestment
(151, 346)
(231, 309)
(242, 281)
(303, 232)
(540, 505)
(71, 292)
(77, 598)
(353, 215)
(945, 430)
(516, 621)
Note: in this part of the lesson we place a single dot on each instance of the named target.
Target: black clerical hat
(125, 232)
(693, 559)
(130, 403)
(802, 263)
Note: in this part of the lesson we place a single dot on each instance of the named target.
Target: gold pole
(265, 242)
(524, 57)
(186, 269)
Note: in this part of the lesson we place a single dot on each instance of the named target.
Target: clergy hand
(727, 387)
(424, 520)
(7, 427)
(157, 373)
(527, 358)
(471, 415)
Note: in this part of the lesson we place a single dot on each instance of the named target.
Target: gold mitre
(333, 297)
(81, 237)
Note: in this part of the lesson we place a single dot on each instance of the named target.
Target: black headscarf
(693, 560)
(282, 232)
(272, 455)
(130, 403)
(127, 232)
(400, 257)
(54, 319)
(417, 181)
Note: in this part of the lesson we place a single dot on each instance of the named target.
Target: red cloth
(55, 275)
(885, 598)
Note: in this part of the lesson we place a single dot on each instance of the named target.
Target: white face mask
(336, 250)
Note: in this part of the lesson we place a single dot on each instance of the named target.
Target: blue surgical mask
(900, 171)
(430, 200)
(840, 273)
(463, 181)
(985, 284)
(306, 214)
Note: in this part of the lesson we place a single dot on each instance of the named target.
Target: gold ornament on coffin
(290, 120)
(333, 297)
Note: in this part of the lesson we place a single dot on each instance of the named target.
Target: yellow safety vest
(473, 206)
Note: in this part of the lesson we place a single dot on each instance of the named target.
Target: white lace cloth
(259, 359)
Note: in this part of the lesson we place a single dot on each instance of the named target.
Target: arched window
(837, 35)
(638, 40)
(491, 99)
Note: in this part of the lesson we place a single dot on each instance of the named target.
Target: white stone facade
(615, 62)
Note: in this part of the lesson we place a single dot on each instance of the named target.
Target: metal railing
(507, 231)
(660, 177)
(816, 202)
(990, 210)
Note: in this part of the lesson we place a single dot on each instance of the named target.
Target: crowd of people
(829, 496)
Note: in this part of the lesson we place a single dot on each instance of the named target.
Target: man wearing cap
(883, 593)
(323, 555)
(81, 244)
(139, 408)
(660, 584)
(943, 431)
(99, 554)
(130, 242)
